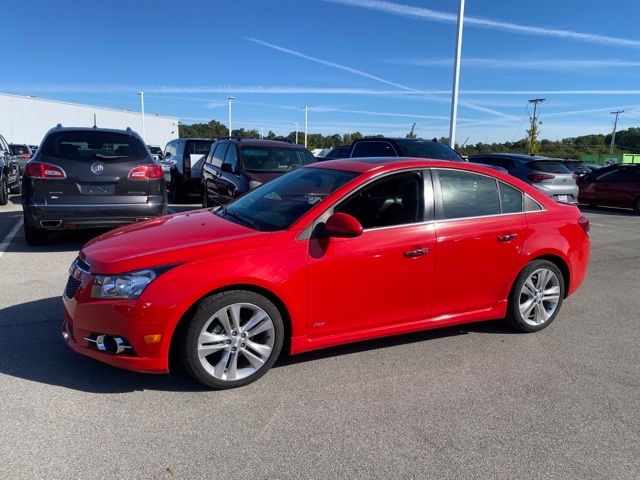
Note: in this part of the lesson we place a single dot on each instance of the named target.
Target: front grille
(71, 288)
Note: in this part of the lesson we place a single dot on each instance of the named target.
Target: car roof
(371, 164)
(93, 129)
(185, 139)
(518, 156)
(261, 142)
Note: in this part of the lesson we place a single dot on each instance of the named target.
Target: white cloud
(433, 15)
(518, 63)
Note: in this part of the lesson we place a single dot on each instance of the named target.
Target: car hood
(168, 240)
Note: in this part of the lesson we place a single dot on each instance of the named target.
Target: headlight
(254, 184)
(128, 285)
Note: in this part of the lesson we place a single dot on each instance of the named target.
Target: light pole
(456, 78)
(615, 126)
(230, 128)
(261, 132)
(306, 112)
(296, 124)
(141, 93)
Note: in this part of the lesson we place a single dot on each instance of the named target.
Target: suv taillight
(584, 223)
(145, 172)
(43, 170)
(186, 162)
(538, 177)
(26, 156)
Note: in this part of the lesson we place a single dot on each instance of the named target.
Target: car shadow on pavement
(31, 347)
(618, 212)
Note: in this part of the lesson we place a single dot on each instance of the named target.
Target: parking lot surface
(477, 401)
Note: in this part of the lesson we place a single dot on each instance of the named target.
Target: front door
(382, 277)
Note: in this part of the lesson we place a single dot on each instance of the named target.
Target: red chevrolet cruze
(331, 253)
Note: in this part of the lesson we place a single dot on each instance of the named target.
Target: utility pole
(261, 132)
(296, 124)
(533, 131)
(615, 125)
(456, 77)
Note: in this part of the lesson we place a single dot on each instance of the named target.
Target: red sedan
(613, 186)
(332, 253)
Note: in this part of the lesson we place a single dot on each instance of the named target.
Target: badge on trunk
(97, 168)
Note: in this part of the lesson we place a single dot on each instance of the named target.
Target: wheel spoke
(223, 318)
(205, 350)
(255, 319)
(530, 287)
(541, 314)
(234, 313)
(221, 366)
(254, 360)
(206, 337)
(525, 308)
(232, 369)
(267, 324)
(542, 279)
(263, 350)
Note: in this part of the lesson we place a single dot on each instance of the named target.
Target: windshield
(277, 204)
(427, 149)
(274, 159)
(548, 167)
(155, 150)
(89, 145)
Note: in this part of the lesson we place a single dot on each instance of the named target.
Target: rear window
(549, 167)
(88, 145)
(427, 149)
(200, 147)
(155, 150)
(19, 149)
(274, 159)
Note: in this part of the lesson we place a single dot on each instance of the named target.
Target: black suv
(403, 147)
(9, 172)
(88, 178)
(237, 165)
(184, 157)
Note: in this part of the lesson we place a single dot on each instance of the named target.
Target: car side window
(212, 151)
(466, 194)
(373, 149)
(180, 148)
(510, 198)
(218, 155)
(394, 200)
(613, 175)
(231, 157)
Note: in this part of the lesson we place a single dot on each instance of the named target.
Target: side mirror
(342, 225)
(226, 167)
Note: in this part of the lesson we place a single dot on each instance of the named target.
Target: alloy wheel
(236, 341)
(539, 297)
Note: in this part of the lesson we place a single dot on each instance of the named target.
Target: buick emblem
(97, 168)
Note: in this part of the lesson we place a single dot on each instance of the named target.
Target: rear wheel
(4, 190)
(536, 296)
(233, 339)
(35, 236)
(176, 191)
(636, 205)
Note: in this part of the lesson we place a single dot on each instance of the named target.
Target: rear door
(97, 167)
(618, 187)
(480, 229)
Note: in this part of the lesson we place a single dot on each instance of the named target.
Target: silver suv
(548, 175)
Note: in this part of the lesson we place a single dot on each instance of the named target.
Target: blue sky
(368, 65)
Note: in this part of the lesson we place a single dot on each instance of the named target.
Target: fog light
(153, 338)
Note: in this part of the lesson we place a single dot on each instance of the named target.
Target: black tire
(177, 192)
(205, 199)
(35, 236)
(636, 205)
(207, 307)
(514, 316)
(4, 190)
(17, 188)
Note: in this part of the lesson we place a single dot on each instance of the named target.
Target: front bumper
(62, 217)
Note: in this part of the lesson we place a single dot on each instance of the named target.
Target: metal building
(27, 119)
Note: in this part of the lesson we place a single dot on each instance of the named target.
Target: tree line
(572, 147)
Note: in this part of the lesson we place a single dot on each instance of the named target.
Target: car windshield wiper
(110, 157)
(241, 219)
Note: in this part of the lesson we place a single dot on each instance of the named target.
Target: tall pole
(535, 102)
(456, 77)
(306, 111)
(296, 124)
(615, 126)
(261, 132)
(141, 93)
(533, 131)
(229, 103)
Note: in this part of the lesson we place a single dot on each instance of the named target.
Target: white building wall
(27, 119)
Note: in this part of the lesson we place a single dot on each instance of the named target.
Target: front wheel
(536, 296)
(233, 339)
(4, 190)
(636, 205)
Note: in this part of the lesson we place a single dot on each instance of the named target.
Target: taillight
(145, 172)
(186, 163)
(584, 223)
(538, 177)
(26, 156)
(43, 170)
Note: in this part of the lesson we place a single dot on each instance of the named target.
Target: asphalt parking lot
(473, 402)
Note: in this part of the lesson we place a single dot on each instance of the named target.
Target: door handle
(416, 253)
(508, 237)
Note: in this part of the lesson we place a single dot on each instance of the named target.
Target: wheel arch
(562, 265)
(180, 326)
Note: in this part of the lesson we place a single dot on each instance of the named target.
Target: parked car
(576, 166)
(184, 158)
(331, 253)
(22, 153)
(236, 165)
(613, 186)
(403, 147)
(338, 152)
(33, 148)
(548, 175)
(593, 166)
(88, 178)
(9, 172)
(156, 152)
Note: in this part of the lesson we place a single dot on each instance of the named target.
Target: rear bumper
(558, 194)
(61, 217)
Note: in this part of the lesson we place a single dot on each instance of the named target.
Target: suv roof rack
(227, 138)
